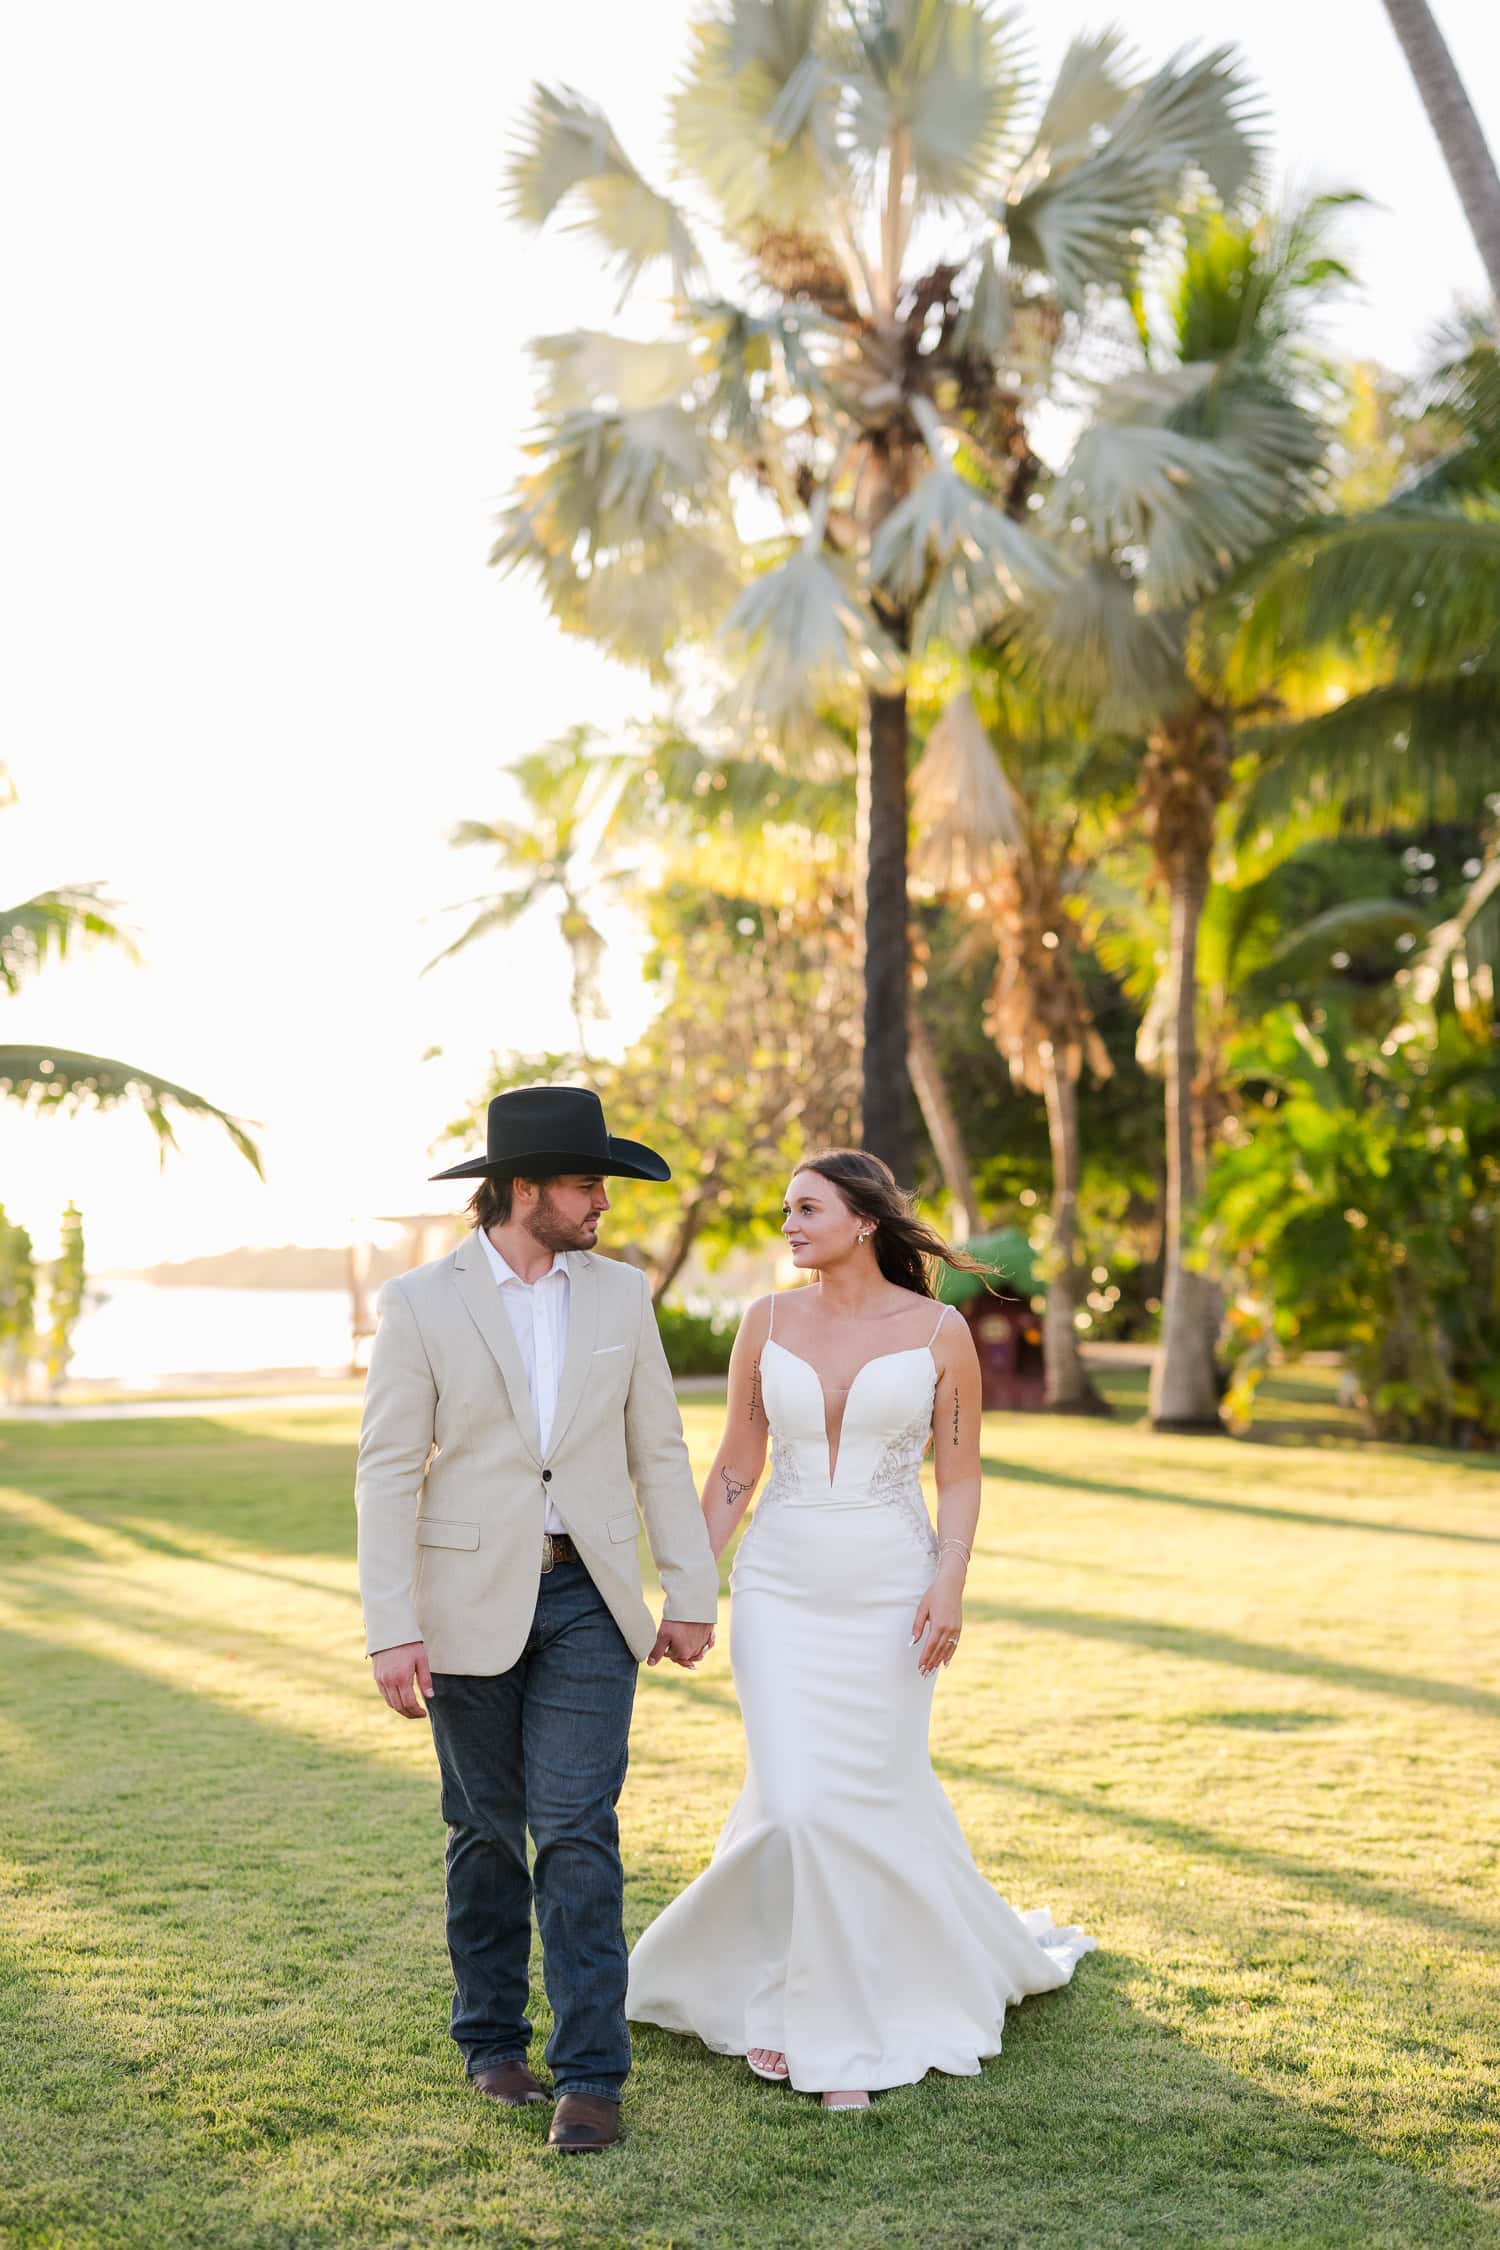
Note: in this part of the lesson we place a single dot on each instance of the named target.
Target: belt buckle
(548, 1558)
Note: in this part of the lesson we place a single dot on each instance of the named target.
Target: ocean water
(138, 1332)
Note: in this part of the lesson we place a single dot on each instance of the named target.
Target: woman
(842, 1937)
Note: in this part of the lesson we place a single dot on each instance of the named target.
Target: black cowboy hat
(547, 1129)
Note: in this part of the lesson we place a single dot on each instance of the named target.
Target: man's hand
(684, 1643)
(399, 1672)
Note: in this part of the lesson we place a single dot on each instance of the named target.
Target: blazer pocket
(605, 1349)
(434, 1531)
(624, 1527)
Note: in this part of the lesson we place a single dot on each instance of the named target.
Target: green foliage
(696, 1343)
(749, 1062)
(17, 1304)
(65, 1296)
(1363, 1207)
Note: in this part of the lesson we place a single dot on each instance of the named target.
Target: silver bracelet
(966, 1552)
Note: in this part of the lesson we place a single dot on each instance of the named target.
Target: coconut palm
(913, 238)
(1227, 370)
(47, 928)
(1379, 634)
(1459, 133)
(982, 841)
(550, 858)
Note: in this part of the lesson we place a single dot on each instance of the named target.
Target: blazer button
(546, 1476)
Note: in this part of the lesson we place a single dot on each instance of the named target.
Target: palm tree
(44, 929)
(570, 791)
(1459, 133)
(1378, 633)
(983, 842)
(1228, 373)
(915, 241)
(747, 828)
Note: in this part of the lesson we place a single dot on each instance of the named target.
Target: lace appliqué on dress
(896, 1481)
(784, 1483)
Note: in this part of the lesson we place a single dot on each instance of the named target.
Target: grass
(1235, 1707)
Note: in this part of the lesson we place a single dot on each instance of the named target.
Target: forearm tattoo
(735, 1488)
(955, 1414)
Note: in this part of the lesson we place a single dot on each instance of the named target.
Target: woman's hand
(940, 1615)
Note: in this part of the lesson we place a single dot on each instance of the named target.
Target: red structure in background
(1000, 1309)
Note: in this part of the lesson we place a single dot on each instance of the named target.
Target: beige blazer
(451, 1482)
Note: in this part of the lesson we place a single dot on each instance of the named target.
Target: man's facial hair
(548, 1227)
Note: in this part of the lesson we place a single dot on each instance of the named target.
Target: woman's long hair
(907, 1250)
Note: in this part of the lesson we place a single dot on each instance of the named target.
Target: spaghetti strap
(771, 1323)
(937, 1324)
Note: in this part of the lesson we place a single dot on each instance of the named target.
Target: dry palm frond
(966, 816)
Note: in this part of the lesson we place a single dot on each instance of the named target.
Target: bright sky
(267, 381)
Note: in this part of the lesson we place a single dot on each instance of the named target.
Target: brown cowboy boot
(510, 2084)
(583, 2122)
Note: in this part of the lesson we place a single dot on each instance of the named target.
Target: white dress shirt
(538, 1312)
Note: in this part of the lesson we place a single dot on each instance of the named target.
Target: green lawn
(1235, 1707)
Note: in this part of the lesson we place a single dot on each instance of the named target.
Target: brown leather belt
(557, 1547)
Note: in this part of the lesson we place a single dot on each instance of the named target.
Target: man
(518, 1392)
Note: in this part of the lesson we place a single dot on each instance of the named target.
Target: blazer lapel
(583, 1327)
(476, 1285)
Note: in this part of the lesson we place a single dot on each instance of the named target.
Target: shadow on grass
(230, 2030)
(1226, 1648)
(1306, 1877)
(205, 1479)
(1025, 1472)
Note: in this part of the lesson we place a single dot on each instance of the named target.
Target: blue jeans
(543, 1746)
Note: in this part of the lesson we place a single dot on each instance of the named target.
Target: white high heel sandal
(773, 2077)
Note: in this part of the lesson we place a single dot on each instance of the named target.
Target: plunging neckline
(835, 1444)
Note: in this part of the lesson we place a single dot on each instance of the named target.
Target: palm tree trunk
(1069, 1390)
(881, 837)
(942, 1125)
(1184, 1389)
(1459, 132)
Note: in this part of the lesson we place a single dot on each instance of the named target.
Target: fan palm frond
(938, 91)
(566, 150)
(753, 120)
(1189, 507)
(46, 927)
(1095, 647)
(741, 352)
(49, 1078)
(945, 520)
(590, 371)
(1094, 82)
(1081, 222)
(802, 637)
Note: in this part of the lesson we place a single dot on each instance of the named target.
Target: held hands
(686, 1644)
(399, 1672)
(940, 1616)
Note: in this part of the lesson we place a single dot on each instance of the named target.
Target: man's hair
(489, 1206)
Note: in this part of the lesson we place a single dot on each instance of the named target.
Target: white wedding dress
(842, 1921)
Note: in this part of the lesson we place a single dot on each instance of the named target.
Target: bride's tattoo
(734, 1489)
(955, 1414)
(755, 1405)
